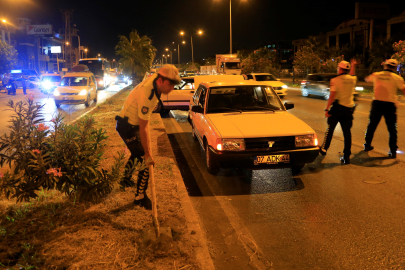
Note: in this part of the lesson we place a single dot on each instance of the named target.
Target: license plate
(273, 159)
(67, 98)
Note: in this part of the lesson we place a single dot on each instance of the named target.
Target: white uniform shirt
(137, 105)
(386, 85)
(344, 86)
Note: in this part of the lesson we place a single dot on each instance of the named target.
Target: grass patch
(55, 232)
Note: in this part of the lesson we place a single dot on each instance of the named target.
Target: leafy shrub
(61, 156)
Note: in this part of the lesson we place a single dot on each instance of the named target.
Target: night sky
(255, 22)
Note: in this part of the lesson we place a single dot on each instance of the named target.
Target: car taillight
(303, 82)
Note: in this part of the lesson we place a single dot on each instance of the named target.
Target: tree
(262, 60)
(306, 58)
(8, 57)
(380, 51)
(137, 53)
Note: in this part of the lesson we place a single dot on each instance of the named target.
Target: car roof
(78, 74)
(187, 78)
(235, 83)
(259, 74)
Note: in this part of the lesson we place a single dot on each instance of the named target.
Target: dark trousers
(344, 116)
(131, 136)
(389, 111)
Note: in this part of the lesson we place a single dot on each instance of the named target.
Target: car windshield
(51, 78)
(232, 65)
(243, 98)
(74, 81)
(267, 77)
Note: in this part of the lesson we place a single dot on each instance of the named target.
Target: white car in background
(269, 79)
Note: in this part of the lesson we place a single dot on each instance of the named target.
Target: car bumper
(282, 92)
(244, 159)
(70, 99)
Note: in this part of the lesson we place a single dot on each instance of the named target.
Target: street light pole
(230, 23)
(178, 54)
(192, 51)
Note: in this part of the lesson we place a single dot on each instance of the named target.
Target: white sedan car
(244, 124)
(269, 79)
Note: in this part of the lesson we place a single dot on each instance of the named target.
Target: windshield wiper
(225, 109)
(258, 108)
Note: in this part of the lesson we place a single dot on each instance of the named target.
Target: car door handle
(192, 91)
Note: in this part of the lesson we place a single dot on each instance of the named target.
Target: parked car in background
(271, 80)
(49, 82)
(29, 77)
(76, 87)
(245, 125)
(318, 84)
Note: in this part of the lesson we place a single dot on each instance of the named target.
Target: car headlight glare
(83, 93)
(284, 86)
(101, 82)
(56, 93)
(47, 84)
(230, 144)
(359, 88)
(306, 140)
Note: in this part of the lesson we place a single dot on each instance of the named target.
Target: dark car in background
(122, 79)
(318, 84)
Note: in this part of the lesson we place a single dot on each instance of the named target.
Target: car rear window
(267, 77)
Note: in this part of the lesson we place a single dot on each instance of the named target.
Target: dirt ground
(53, 232)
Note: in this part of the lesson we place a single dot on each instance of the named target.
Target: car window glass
(249, 77)
(201, 100)
(266, 77)
(244, 98)
(313, 77)
(197, 95)
(74, 81)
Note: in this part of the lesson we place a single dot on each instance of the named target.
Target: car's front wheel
(297, 168)
(212, 167)
(95, 98)
(304, 92)
(87, 102)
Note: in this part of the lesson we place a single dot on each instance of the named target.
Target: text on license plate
(273, 159)
(67, 98)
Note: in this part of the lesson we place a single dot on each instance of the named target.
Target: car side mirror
(197, 109)
(288, 105)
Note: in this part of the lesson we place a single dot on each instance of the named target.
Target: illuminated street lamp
(192, 49)
(85, 50)
(98, 55)
(171, 57)
(4, 20)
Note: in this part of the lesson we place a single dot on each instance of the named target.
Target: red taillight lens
(303, 82)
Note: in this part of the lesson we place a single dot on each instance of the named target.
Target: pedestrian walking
(24, 86)
(341, 99)
(386, 85)
(133, 126)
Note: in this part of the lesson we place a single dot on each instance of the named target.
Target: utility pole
(67, 13)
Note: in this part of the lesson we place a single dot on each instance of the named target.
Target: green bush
(60, 156)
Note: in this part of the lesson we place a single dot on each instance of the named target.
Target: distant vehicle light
(56, 93)
(83, 93)
(46, 84)
(101, 82)
(359, 88)
(303, 82)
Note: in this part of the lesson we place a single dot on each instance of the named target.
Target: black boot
(345, 160)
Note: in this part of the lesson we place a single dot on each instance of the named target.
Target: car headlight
(47, 84)
(359, 88)
(101, 82)
(56, 93)
(284, 86)
(230, 144)
(83, 93)
(306, 140)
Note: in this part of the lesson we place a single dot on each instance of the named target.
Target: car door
(180, 98)
(92, 87)
(311, 84)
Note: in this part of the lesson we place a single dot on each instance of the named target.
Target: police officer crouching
(341, 99)
(133, 126)
(386, 85)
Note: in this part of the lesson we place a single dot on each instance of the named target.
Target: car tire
(158, 108)
(212, 167)
(304, 92)
(87, 102)
(326, 95)
(95, 98)
(296, 169)
(57, 104)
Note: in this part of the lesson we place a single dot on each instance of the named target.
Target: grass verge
(53, 232)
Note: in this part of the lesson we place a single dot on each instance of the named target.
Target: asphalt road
(329, 216)
(70, 112)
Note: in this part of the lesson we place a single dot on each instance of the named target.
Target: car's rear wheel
(304, 92)
(87, 103)
(326, 95)
(212, 167)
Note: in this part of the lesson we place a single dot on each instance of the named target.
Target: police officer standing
(133, 126)
(386, 85)
(341, 99)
